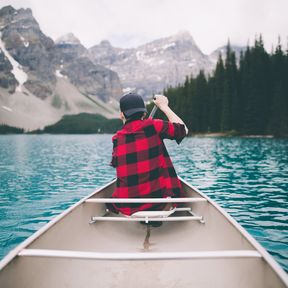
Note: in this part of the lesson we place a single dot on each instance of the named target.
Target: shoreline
(226, 135)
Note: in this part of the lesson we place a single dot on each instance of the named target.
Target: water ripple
(248, 178)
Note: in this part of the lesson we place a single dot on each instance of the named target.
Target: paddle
(153, 110)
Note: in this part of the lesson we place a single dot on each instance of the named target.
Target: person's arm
(113, 162)
(162, 102)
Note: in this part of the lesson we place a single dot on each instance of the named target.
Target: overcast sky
(129, 23)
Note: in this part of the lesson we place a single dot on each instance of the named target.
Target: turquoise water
(42, 175)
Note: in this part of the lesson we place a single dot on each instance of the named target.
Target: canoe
(201, 246)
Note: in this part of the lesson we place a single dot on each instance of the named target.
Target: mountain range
(41, 80)
(151, 67)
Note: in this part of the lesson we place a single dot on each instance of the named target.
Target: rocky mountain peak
(183, 35)
(214, 56)
(10, 16)
(29, 47)
(68, 48)
(69, 38)
(7, 10)
(45, 61)
(105, 43)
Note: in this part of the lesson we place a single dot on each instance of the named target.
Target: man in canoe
(143, 166)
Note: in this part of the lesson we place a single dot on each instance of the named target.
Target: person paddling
(143, 166)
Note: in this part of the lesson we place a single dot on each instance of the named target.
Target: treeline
(83, 123)
(249, 97)
(5, 129)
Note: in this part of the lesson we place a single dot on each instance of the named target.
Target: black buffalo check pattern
(143, 166)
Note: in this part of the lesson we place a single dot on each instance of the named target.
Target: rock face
(30, 48)
(68, 48)
(40, 57)
(7, 79)
(156, 65)
(91, 79)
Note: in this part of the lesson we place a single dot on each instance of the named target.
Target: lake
(41, 175)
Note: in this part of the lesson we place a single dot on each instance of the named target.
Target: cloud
(128, 23)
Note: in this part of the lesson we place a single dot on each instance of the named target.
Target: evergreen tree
(230, 93)
(201, 107)
(216, 96)
(259, 95)
(278, 122)
(245, 91)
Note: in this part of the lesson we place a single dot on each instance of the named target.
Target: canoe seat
(152, 216)
(158, 214)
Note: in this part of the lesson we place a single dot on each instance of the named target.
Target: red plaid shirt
(143, 166)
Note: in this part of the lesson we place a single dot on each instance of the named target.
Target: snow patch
(19, 74)
(26, 43)
(7, 108)
(19, 88)
(173, 44)
(69, 39)
(58, 74)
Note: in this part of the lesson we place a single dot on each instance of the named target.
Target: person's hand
(161, 101)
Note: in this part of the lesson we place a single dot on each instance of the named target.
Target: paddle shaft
(153, 111)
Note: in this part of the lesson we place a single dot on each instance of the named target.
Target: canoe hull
(72, 232)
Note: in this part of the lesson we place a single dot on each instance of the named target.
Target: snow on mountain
(17, 70)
